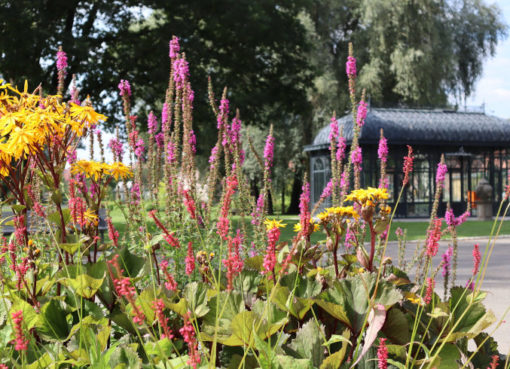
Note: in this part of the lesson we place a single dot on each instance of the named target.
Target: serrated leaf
(308, 343)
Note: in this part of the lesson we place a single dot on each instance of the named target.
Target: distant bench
(8, 229)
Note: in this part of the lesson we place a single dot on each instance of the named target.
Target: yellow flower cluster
(273, 223)
(28, 121)
(316, 227)
(368, 196)
(338, 212)
(95, 170)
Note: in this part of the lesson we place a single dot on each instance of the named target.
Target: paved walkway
(496, 283)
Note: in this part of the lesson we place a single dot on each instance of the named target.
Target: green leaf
(347, 300)
(470, 316)
(396, 326)
(335, 338)
(45, 361)
(156, 349)
(131, 263)
(18, 208)
(54, 324)
(286, 301)
(448, 358)
(55, 217)
(287, 362)
(222, 310)
(195, 294)
(84, 285)
(334, 361)
(125, 357)
(71, 248)
(30, 318)
(308, 343)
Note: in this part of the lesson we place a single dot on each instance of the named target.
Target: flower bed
(181, 286)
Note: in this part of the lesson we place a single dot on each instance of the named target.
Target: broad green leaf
(18, 208)
(30, 318)
(286, 301)
(145, 300)
(336, 359)
(54, 324)
(45, 361)
(125, 357)
(470, 316)
(71, 248)
(347, 300)
(130, 263)
(159, 348)
(55, 217)
(288, 362)
(308, 343)
(302, 286)
(222, 310)
(396, 326)
(335, 338)
(195, 294)
(448, 358)
(84, 285)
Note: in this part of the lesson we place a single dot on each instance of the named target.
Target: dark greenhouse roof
(423, 127)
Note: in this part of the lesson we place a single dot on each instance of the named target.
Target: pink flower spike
(442, 169)
(350, 66)
(190, 259)
(174, 47)
(124, 88)
(362, 114)
(21, 343)
(61, 59)
(382, 354)
(382, 151)
(152, 123)
(476, 259)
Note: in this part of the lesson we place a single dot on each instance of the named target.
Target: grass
(416, 230)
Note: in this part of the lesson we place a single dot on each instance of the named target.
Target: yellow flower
(118, 170)
(343, 211)
(368, 196)
(273, 223)
(316, 227)
(413, 298)
(86, 114)
(91, 169)
(21, 142)
(90, 217)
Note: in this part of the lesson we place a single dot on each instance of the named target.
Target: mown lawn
(416, 230)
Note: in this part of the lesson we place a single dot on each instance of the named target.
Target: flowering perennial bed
(193, 290)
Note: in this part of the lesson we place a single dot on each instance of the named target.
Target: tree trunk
(296, 192)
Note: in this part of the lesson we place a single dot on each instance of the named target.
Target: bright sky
(493, 88)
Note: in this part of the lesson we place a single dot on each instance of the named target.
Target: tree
(410, 52)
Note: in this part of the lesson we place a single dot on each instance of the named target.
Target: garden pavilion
(476, 146)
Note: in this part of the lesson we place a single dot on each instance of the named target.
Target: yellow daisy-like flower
(119, 170)
(368, 196)
(343, 211)
(273, 223)
(316, 227)
(86, 114)
(21, 141)
(91, 169)
(413, 298)
(90, 217)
